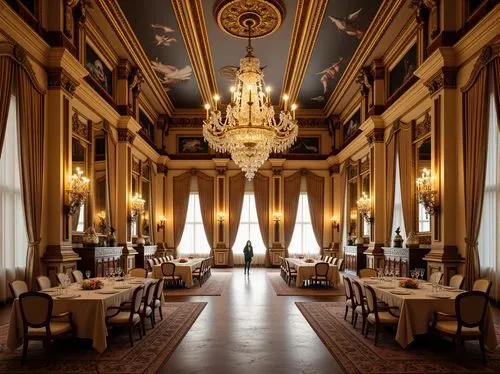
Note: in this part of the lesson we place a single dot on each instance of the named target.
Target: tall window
(13, 237)
(489, 233)
(249, 230)
(397, 219)
(194, 241)
(424, 220)
(303, 239)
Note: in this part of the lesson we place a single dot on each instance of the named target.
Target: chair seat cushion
(384, 317)
(148, 310)
(450, 327)
(56, 328)
(349, 303)
(172, 277)
(123, 317)
(157, 303)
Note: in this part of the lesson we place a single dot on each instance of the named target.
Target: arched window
(303, 240)
(194, 241)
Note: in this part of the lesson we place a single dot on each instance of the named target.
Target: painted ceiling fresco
(342, 28)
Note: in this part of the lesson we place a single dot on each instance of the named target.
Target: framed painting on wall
(403, 70)
(192, 145)
(351, 126)
(306, 145)
(98, 70)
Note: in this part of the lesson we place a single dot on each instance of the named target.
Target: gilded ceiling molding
(309, 16)
(192, 25)
(126, 135)
(58, 78)
(118, 22)
(387, 12)
(423, 128)
(68, 17)
(185, 123)
(376, 136)
(162, 169)
(446, 77)
(313, 123)
(365, 81)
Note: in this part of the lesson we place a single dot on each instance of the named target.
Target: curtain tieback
(470, 243)
(34, 244)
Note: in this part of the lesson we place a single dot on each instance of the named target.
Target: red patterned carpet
(214, 286)
(282, 289)
(78, 356)
(358, 355)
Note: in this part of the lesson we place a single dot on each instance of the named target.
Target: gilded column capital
(125, 135)
(163, 169)
(57, 78)
(375, 136)
(334, 169)
(446, 77)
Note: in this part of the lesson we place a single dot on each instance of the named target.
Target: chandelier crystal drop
(250, 132)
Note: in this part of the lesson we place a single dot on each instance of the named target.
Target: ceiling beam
(308, 19)
(191, 21)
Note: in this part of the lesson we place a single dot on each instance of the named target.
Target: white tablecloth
(89, 311)
(185, 270)
(416, 311)
(306, 270)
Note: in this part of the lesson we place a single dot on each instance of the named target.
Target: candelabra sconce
(221, 217)
(364, 208)
(277, 216)
(101, 222)
(162, 221)
(79, 190)
(335, 223)
(136, 207)
(427, 195)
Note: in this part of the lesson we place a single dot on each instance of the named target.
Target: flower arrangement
(309, 260)
(300, 257)
(92, 284)
(183, 260)
(409, 283)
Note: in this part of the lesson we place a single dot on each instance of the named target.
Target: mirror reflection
(424, 150)
(79, 157)
(100, 193)
(366, 189)
(352, 207)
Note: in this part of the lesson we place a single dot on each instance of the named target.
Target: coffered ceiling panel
(156, 27)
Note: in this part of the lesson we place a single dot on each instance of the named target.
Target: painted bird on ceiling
(346, 24)
(329, 73)
(169, 74)
(162, 38)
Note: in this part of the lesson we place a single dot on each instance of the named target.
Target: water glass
(87, 274)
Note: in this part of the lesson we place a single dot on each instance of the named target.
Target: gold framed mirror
(423, 155)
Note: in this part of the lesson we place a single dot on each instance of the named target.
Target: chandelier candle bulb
(285, 102)
(268, 94)
(216, 99)
(207, 108)
(233, 89)
(294, 108)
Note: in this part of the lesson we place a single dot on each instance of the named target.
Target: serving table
(416, 309)
(305, 271)
(184, 269)
(88, 311)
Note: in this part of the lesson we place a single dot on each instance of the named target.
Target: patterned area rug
(214, 286)
(77, 355)
(427, 354)
(282, 289)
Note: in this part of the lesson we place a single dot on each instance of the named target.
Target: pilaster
(221, 251)
(277, 249)
(378, 90)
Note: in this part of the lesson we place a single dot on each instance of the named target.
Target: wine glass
(87, 274)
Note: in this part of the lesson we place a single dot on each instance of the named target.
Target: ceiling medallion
(233, 16)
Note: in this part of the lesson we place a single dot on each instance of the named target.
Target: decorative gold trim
(446, 77)
(488, 54)
(125, 135)
(57, 78)
(79, 127)
(375, 136)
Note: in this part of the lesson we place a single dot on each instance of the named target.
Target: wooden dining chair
(77, 276)
(39, 323)
(17, 288)
(377, 317)
(198, 273)
(156, 261)
(138, 273)
(146, 308)
(321, 273)
(367, 273)
(127, 314)
(157, 298)
(283, 267)
(340, 262)
(349, 298)
(360, 301)
(150, 265)
(43, 282)
(168, 271)
(291, 273)
(468, 321)
(457, 281)
(63, 278)
(334, 260)
(483, 285)
(436, 277)
(327, 259)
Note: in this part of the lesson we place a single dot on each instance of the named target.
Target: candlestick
(232, 89)
(268, 96)
(216, 99)
(294, 107)
(285, 102)
(207, 108)
(250, 93)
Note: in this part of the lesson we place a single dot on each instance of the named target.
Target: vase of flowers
(92, 284)
(409, 283)
(183, 260)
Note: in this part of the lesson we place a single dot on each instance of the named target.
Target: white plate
(107, 292)
(386, 287)
(68, 296)
(136, 282)
(122, 287)
(438, 295)
(401, 292)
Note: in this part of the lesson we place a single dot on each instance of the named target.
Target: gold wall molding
(376, 136)
(58, 78)
(423, 128)
(446, 77)
(125, 135)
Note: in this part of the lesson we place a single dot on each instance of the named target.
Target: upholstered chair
(340, 262)
(156, 261)
(43, 282)
(157, 298)
(282, 268)
(436, 277)
(150, 264)
(63, 278)
(146, 309)
(457, 281)
(327, 259)
(77, 276)
(467, 323)
(138, 273)
(199, 273)
(367, 273)
(17, 288)
(127, 314)
(334, 260)
(39, 323)
(168, 270)
(375, 316)
(360, 301)
(321, 273)
(291, 273)
(349, 298)
(483, 285)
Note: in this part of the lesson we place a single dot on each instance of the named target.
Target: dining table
(306, 270)
(88, 308)
(417, 307)
(184, 269)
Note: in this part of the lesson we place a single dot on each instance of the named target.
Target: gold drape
(291, 193)
(390, 164)
(7, 68)
(316, 198)
(180, 191)
(207, 194)
(407, 175)
(261, 192)
(236, 193)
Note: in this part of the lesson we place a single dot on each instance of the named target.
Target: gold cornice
(192, 25)
(381, 22)
(118, 22)
(309, 16)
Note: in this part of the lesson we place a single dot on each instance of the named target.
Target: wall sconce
(426, 193)
(335, 223)
(161, 224)
(364, 207)
(79, 189)
(101, 222)
(277, 217)
(221, 216)
(136, 206)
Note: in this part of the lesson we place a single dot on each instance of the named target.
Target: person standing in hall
(248, 252)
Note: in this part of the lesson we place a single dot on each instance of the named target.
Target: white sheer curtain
(249, 230)
(489, 233)
(303, 240)
(13, 237)
(397, 218)
(194, 241)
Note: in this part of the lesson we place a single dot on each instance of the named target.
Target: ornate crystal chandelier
(250, 131)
